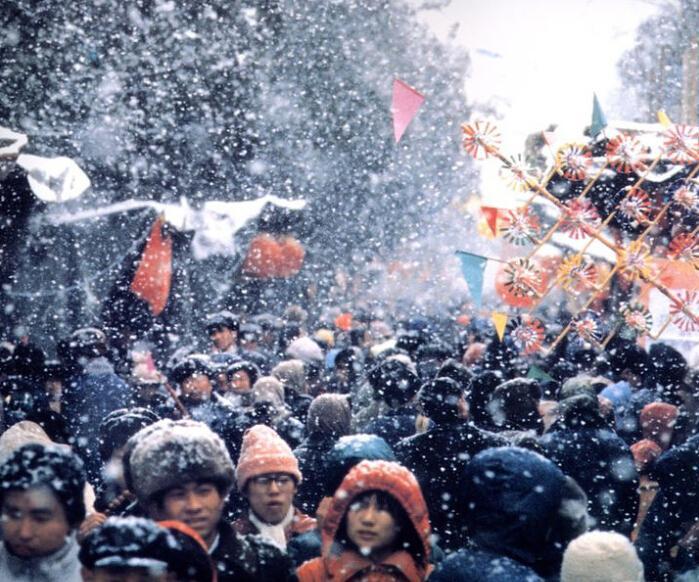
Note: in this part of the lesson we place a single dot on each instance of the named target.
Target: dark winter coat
(221, 418)
(675, 508)
(395, 424)
(438, 458)
(248, 558)
(311, 455)
(474, 565)
(602, 464)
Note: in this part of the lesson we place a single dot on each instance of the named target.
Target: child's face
(371, 528)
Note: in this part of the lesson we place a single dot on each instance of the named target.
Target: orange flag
(491, 217)
(153, 277)
(500, 322)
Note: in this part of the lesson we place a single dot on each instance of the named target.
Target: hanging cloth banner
(500, 322)
(599, 120)
(153, 277)
(491, 217)
(472, 268)
(404, 106)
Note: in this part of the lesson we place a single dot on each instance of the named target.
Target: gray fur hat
(172, 452)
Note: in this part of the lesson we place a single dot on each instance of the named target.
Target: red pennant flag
(153, 276)
(549, 137)
(405, 104)
(491, 217)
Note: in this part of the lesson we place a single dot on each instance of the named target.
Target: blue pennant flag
(599, 121)
(472, 267)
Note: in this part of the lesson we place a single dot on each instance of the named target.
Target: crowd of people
(347, 447)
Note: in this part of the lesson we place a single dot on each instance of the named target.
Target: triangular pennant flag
(472, 267)
(500, 322)
(549, 137)
(153, 277)
(491, 217)
(405, 104)
(536, 373)
(599, 121)
(663, 119)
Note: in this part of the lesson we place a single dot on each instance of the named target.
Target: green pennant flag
(536, 373)
(599, 121)
(472, 267)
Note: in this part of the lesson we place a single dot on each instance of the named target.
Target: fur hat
(263, 452)
(170, 453)
(601, 556)
(305, 349)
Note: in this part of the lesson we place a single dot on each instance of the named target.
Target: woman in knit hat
(376, 528)
(268, 477)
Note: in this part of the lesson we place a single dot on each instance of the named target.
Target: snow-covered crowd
(338, 447)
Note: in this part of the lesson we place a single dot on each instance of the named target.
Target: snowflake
(520, 226)
(577, 273)
(635, 205)
(636, 320)
(624, 154)
(527, 334)
(682, 143)
(481, 139)
(685, 315)
(686, 197)
(635, 261)
(516, 174)
(573, 161)
(522, 278)
(579, 217)
(684, 247)
(587, 328)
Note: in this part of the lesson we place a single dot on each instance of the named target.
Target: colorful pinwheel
(636, 205)
(579, 217)
(520, 227)
(684, 247)
(577, 273)
(522, 278)
(686, 322)
(574, 160)
(516, 175)
(481, 139)
(624, 154)
(635, 261)
(686, 197)
(527, 333)
(636, 320)
(587, 328)
(681, 143)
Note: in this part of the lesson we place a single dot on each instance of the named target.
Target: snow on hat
(264, 451)
(645, 452)
(20, 434)
(53, 466)
(304, 348)
(600, 556)
(170, 453)
(657, 422)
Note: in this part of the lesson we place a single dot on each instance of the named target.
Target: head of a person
(242, 376)
(517, 503)
(378, 510)
(134, 549)
(347, 366)
(222, 328)
(394, 382)
(194, 375)
(292, 374)
(41, 499)
(658, 421)
(443, 400)
(515, 404)
(668, 367)
(268, 474)
(628, 362)
(269, 391)
(482, 387)
(601, 555)
(180, 470)
(87, 343)
(329, 415)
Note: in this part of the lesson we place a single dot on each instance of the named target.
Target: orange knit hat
(264, 451)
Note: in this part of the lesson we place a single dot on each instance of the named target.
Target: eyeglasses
(282, 480)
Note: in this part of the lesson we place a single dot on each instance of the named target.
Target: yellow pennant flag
(663, 119)
(500, 322)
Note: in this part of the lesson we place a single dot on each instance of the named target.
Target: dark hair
(482, 387)
(393, 382)
(439, 399)
(251, 369)
(222, 486)
(408, 538)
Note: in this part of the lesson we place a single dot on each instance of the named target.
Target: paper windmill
(573, 161)
(635, 260)
(527, 334)
(624, 154)
(577, 273)
(587, 328)
(516, 174)
(636, 205)
(681, 143)
(684, 247)
(522, 278)
(579, 218)
(636, 320)
(686, 197)
(480, 139)
(679, 316)
(520, 227)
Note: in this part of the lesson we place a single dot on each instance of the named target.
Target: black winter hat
(349, 451)
(87, 342)
(439, 398)
(192, 365)
(252, 370)
(393, 382)
(120, 425)
(128, 542)
(221, 319)
(28, 360)
(53, 466)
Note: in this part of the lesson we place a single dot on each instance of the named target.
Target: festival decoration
(153, 277)
(654, 238)
(405, 104)
(272, 256)
(500, 322)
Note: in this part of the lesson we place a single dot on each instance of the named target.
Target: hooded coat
(61, 566)
(341, 563)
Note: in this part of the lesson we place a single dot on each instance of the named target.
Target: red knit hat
(657, 422)
(644, 453)
(264, 451)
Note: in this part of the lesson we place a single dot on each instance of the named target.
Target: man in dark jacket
(439, 456)
(181, 470)
(520, 511)
(582, 445)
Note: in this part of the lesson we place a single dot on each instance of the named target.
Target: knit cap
(264, 451)
(658, 421)
(601, 556)
(645, 452)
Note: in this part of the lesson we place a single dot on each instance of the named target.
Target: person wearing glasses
(267, 477)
